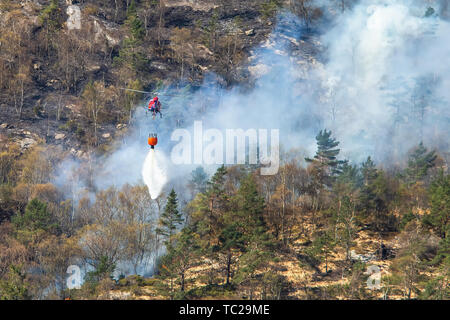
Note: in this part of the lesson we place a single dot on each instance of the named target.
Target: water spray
(154, 171)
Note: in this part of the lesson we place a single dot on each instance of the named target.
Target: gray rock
(27, 143)
(250, 32)
(74, 19)
(158, 65)
(361, 257)
(82, 155)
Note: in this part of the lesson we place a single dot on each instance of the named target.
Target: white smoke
(379, 80)
(389, 63)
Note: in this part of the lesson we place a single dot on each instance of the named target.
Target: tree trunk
(21, 98)
(182, 281)
(228, 267)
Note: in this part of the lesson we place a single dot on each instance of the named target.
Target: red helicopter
(154, 106)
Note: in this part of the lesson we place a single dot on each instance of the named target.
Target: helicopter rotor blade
(154, 92)
(135, 90)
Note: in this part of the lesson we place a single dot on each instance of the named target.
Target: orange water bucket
(152, 140)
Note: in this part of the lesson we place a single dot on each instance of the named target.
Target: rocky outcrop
(59, 136)
(27, 143)
(197, 5)
(362, 257)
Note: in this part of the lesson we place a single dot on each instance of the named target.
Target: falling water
(154, 173)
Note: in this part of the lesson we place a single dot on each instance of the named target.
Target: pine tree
(259, 247)
(349, 177)
(51, 19)
(250, 206)
(136, 26)
(199, 180)
(374, 200)
(418, 164)
(36, 217)
(218, 201)
(50, 16)
(170, 219)
(104, 268)
(368, 195)
(207, 214)
(439, 217)
(368, 171)
(217, 184)
(231, 239)
(178, 260)
(244, 226)
(410, 260)
(131, 54)
(322, 246)
(207, 209)
(345, 224)
(324, 169)
(326, 165)
(14, 285)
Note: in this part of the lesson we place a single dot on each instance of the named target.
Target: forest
(336, 222)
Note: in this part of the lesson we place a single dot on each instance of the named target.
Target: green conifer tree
(36, 217)
(369, 171)
(199, 180)
(439, 217)
(326, 164)
(418, 163)
(170, 219)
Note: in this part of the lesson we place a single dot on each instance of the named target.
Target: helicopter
(154, 106)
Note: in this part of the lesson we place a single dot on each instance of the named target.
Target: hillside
(301, 151)
(47, 63)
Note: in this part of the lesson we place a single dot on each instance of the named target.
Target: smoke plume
(377, 75)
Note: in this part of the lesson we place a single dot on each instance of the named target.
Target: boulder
(27, 143)
(74, 17)
(81, 154)
(361, 257)
(158, 65)
(59, 136)
(104, 31)
(250, 32)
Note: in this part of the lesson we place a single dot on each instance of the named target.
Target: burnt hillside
(56, 48)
